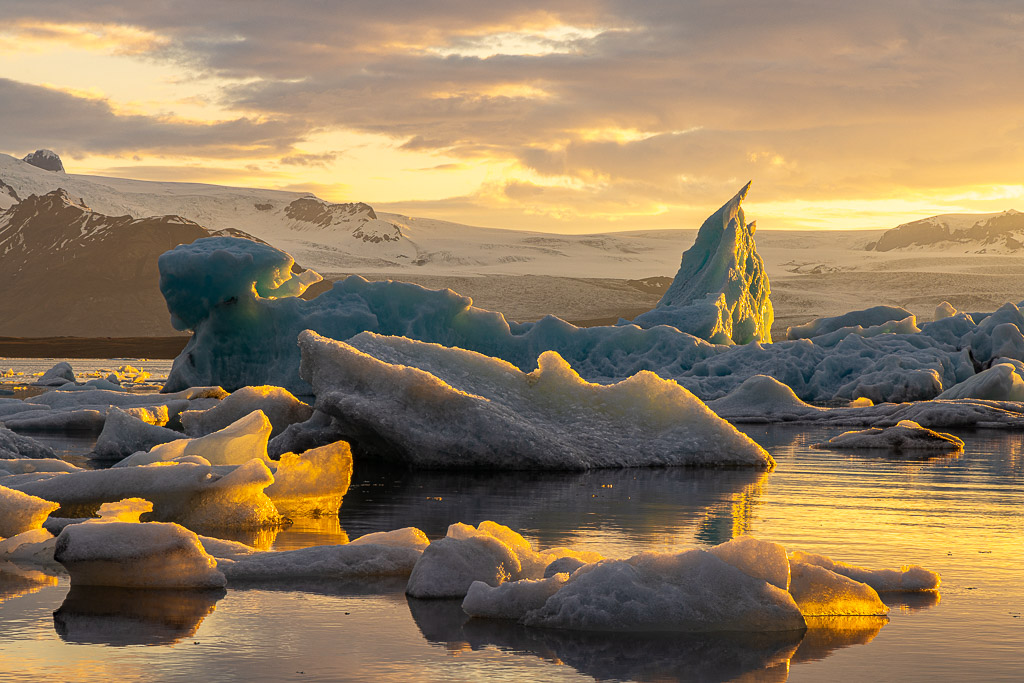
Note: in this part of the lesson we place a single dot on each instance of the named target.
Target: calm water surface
(960, 516)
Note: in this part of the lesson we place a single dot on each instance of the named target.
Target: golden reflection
(261, 538)
(828, 634)
(912, 602)
(16, 581)
(735, 517)
(131, 616)
(309, 531)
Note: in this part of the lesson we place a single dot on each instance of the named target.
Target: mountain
(352, 237)
(46, 159)
(972, 233)
(68, 270)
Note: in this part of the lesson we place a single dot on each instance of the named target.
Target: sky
(563, 115)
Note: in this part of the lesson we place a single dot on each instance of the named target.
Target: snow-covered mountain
(68, 270)
(968, 232)
(352, 237)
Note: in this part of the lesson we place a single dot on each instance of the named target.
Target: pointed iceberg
(721, 291)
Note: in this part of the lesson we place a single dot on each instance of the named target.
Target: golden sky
(567, 116)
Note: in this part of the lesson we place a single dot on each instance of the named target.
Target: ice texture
(905, 435)
(235, 444)
(124, 434)
(312, 483)
(763, 398)
(128, 554)
(279, 405)
(1004, 381)
(821, 592)
(191, 494)
(14, 446)
(512, 600)
(721, 291)
(490, 552)
(21, 512)
(432, 406)
(362, 560)
(59, 374)
(863, 319)
(689, 591)
(760, 559)
(909, 578)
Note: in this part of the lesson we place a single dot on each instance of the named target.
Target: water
(960, 516)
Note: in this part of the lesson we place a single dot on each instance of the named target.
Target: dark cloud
(34, 116)
(809, 98)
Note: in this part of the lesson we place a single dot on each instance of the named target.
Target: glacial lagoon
(958, 515)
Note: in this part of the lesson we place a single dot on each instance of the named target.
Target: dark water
(959, 516)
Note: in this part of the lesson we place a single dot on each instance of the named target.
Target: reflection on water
(132, 616)
(16, 581)
(611, 511)
(661, 657)
(959, 516)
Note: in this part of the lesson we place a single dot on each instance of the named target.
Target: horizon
(567, 118)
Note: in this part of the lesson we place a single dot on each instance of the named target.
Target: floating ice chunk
(127, 510)
(450, 565)
(279, 405)
(121, 399)
(124, 434)
(762, 399)
(34, 546)
(193, 495)
(13, 406)
(93, 384)
(15, 446)
(944, 310)
(151, 555)
(511, 600)
(236, 444)
(159, 415)
(71, 420)
(1003, 381)
(406, 537)
(907, 578)
(866, 318)
(433, 406)
(59, 374)
(364, 560)
(907, 325)
(31, 465)
(20, 512)
(691, 591)
(721, 292)
(820, 592)
(312, 483)
(761, 559)
(905, 435)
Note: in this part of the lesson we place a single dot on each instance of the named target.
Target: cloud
(648, 104)
(35, 116)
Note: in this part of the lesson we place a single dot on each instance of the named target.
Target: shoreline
(162, 348)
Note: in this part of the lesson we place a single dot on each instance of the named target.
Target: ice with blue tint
(721, 291)
(236, 295)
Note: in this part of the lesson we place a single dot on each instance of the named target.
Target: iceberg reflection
(132, 616)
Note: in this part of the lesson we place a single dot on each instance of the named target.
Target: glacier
(239, 299)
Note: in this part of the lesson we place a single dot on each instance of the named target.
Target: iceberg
(58, 375)
(15, 446)
(909, 578)
(21, 512)
(721, 292)
(868, 318)
(821, 592)
(130, 554)
(905, 435)
(431, 406)
(279, 406)
(690, 591)
(1004, 381)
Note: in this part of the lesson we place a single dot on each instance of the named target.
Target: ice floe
(14, 446)
(21, 512)
(821, 592)
(908, 578)
(127, 554)
(432, 406)
(905, 435)
(124, 434)
(279, 406)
